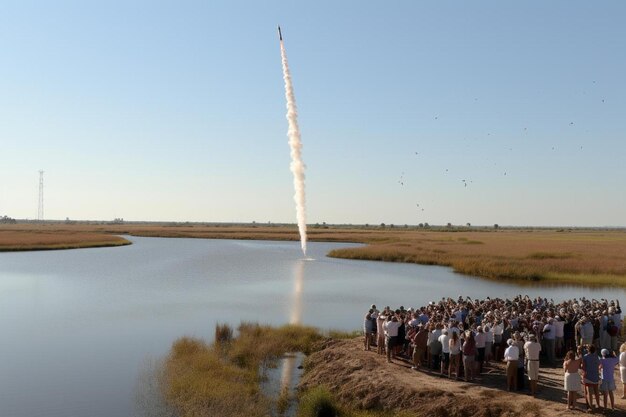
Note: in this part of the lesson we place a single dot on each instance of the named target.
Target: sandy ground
(364, 379)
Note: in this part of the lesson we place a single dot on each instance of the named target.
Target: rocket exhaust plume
(297, 166)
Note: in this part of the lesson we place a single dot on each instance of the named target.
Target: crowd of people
(460, 337)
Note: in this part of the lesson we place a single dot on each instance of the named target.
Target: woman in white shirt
(622, 367)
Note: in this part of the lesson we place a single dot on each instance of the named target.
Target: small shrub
(223, 334)
(318, 402)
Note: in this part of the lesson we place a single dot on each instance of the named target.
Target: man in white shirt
(532, 349)
(559, 326)
(434, 347)
(481, 340)
(511, 356)
(445, 349)
(488, 344)
(498, 329)
(549, 337)
(391, 330)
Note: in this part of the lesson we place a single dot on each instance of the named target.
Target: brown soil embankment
(363, 379)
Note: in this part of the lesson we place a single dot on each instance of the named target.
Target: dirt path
(365, 380)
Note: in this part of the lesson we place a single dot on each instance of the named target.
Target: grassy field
(567, 256)
(576, 257)
(48, 239)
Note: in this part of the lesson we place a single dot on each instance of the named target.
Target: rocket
(280, 35)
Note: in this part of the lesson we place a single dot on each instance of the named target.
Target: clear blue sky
(151, 110)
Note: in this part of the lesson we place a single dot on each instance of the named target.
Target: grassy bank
(223, 379)
(579, 257)
(28, 240)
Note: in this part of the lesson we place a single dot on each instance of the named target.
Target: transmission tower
(40, 211)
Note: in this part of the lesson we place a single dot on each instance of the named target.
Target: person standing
(622, 368)
(559, 333)
(591, 376)
(391, 329)
(455, 354)
(434, 347)
(380, 333)
(444, 339)
(586, 332)
(420, 343)
(469, 353)
(488, 344)
(607, 365)
(511, 356)
(571, 380)
(532, 349)
(481, 343)
(549, 338)
(369, 327)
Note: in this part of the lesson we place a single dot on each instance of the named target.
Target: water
(79, 326)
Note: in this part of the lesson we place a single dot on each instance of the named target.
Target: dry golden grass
(199, 382)
(23, 240)
(579, 257)
(223, 379)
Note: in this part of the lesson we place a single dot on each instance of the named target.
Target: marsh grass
(582, 258)
(223, 379)
(12, 240)
(319, 402)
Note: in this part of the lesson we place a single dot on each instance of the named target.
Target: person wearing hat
(420, 343)
(532, 349)
(607, 365)
(511, 356)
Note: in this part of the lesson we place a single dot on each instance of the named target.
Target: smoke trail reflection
(296, 306)
(289, 362)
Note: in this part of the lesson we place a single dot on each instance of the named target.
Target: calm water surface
(77, 327)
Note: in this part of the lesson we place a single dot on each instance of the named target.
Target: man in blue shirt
(591, 376)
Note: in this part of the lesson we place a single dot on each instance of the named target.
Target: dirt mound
(364, 380)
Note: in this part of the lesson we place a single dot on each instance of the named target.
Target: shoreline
(586, 257)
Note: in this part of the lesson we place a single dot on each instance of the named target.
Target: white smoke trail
(297, 166)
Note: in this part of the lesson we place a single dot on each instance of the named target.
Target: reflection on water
(289, 363)
(296, 306)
